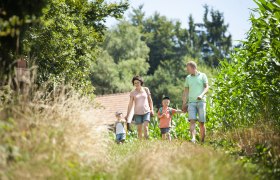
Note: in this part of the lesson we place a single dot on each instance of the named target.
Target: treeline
(158, 48)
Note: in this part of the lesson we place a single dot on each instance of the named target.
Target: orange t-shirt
(165, 122)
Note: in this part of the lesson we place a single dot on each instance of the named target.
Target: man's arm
(184, 99)
(205, 90)
(185, 95)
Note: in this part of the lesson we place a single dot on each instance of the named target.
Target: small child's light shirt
(120, 127)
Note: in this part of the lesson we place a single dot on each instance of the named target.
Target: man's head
(165, 101)
(119, 115)
(191, 67)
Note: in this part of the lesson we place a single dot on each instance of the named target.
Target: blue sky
(236, 12)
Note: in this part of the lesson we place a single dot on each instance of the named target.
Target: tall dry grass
(51, 134)
(258, 147)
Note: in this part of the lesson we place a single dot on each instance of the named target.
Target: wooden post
(22, 76)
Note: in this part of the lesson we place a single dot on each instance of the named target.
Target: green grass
(158, 159)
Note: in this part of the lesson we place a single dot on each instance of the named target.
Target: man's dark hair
(137, 78)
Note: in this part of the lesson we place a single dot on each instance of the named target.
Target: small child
(119, 128)
(165, 116)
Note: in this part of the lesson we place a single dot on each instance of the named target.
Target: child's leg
(168, 136)
(123, 137)
(117, 139)
(163, 136)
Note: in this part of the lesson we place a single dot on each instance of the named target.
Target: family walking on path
(194, 102)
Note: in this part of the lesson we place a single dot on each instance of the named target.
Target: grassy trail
(157, 159)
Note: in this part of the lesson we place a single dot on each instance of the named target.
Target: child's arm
(160, 115)
(177, 111)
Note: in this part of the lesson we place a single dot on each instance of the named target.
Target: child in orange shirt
(165, 116)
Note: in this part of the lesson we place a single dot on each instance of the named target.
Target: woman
(143, 108)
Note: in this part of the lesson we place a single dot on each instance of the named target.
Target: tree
(218, 44)
(166, 39)
(124, 42)
(167, 80)
(65, 44)
(193, 42)
(137, 17)
(104, 74)
(124, 56)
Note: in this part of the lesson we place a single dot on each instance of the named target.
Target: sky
(236, 12)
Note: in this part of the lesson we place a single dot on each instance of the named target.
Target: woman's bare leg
(146, 129)
(139, 130)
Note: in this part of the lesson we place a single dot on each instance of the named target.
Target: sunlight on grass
(181, 160)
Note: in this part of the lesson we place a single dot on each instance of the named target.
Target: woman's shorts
(140, 119)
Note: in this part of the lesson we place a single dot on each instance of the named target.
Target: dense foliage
(247, 88)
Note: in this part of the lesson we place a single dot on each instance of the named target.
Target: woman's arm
(151, 103)
(150, 100)
(129, 107)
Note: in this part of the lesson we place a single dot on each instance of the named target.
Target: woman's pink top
(141, 101)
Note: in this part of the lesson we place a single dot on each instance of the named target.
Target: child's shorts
(164, 130)
(120, 137)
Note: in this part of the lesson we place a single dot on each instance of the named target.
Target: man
(194, 99)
